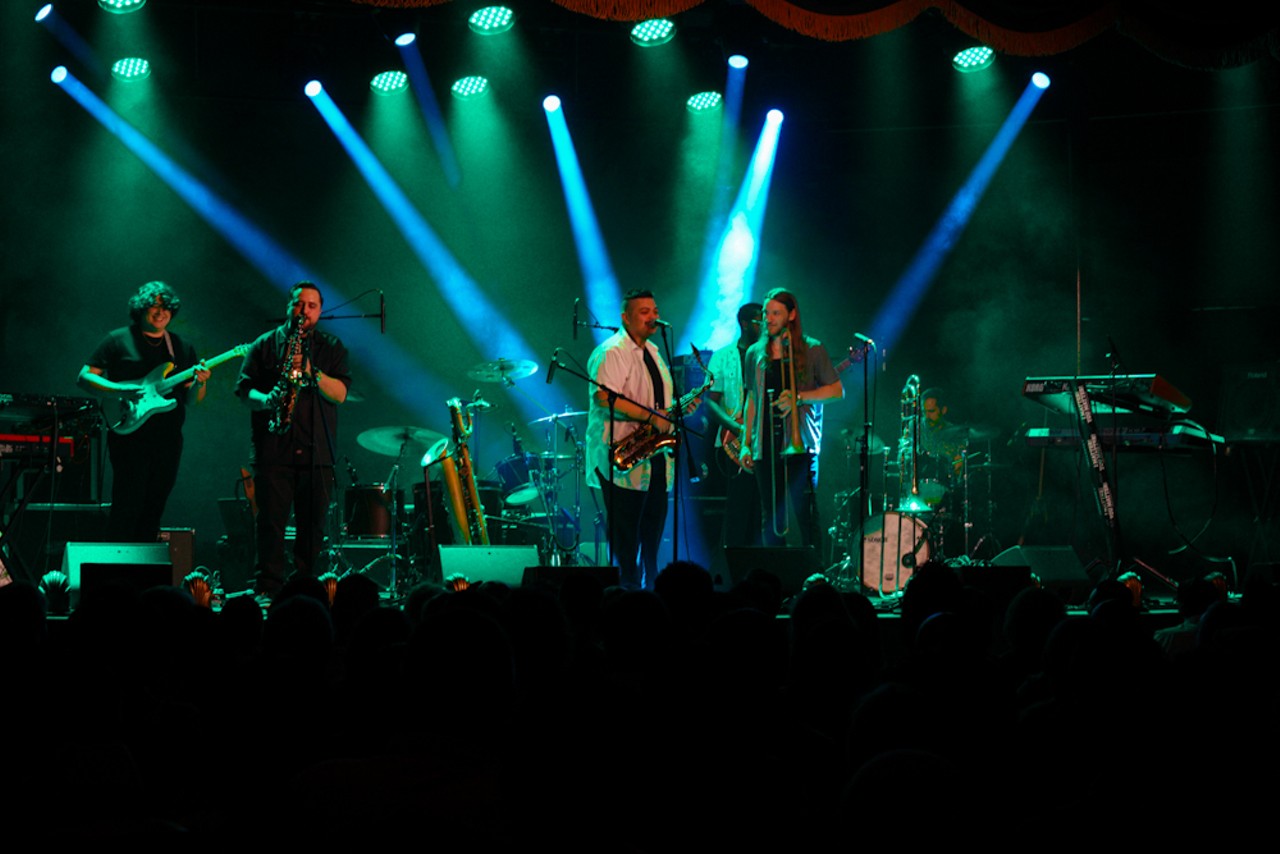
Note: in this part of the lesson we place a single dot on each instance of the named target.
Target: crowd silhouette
(496, 718)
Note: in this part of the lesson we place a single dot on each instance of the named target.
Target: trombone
(795, 443)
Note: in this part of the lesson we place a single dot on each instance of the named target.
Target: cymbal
(503, 370)
(557, 417)
(390, 441)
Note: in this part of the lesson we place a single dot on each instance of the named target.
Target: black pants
(741, 509)
(636, 520)
(277, 488)
(144, 468)
(787, 479)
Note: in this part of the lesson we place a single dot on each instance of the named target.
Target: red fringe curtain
(1203, 37)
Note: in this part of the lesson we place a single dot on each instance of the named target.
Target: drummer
(940, 438)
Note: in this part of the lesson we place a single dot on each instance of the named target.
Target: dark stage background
(1142, 191)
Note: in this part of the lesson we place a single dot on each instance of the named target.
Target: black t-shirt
(261, 371)
(126, 355)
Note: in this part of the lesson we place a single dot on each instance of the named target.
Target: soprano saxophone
(286, 389)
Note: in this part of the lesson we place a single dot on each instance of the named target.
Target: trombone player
(788, 378)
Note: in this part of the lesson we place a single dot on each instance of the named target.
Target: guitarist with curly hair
(145, 455)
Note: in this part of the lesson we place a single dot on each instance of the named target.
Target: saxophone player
(635, 500)
(292, 380)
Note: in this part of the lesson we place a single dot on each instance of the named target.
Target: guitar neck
(189, 374)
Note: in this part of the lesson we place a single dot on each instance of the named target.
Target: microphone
(551, 369)
(478, 402)
(661, 324)
(382, 310)
(864, 339)
(351, 471)
(575, 320)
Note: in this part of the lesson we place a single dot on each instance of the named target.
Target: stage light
(59, 74)
(389, 82)
(405, 39)
(704, 102)
(44, 12)
(491, 20)
(653, 32)
(774, 116)
(973, 59)
(551, 103)
(131, 69)
(1040, 80)
(121, 7)
(470, 87)
(738, 61)
(313, 89)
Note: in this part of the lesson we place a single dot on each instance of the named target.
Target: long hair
(146, 297)
(799, 346)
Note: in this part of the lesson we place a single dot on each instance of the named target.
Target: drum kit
(530, 497)
(936, 492)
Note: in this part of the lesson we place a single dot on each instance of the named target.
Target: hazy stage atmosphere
(1129, 227)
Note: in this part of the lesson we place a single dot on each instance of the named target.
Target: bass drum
(893, 545)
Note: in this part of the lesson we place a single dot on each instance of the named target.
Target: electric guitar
(132, 414)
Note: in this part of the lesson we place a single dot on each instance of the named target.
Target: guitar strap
(168, 343)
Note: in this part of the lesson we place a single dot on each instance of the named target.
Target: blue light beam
(488, 329)
(74, 43)
(272, 261)
(911, 287)
(604, 296)
(420, 82)
(730, 277)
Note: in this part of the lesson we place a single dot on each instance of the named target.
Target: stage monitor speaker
(1057, 567)
(554, 576)
(792, 565)
(488, 563)
(138, 565)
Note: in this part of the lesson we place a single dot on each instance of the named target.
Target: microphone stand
(864, 456)
(675, 468)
